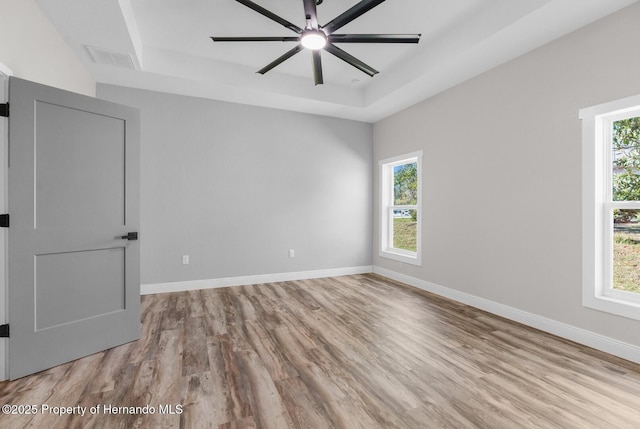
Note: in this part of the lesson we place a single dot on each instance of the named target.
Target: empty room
(320, 214)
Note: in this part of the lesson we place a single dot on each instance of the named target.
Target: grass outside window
(626, 257)
(405, 234)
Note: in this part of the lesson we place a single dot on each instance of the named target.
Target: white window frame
(387, 250)
(597, 208)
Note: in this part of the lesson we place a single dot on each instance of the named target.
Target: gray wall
(502, 173)
(33, 49)
(235, 187)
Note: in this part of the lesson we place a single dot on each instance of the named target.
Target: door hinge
(4, 109)
(4, 331)
(4, 220)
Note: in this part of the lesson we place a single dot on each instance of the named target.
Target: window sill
(407, 258)
(613, 305)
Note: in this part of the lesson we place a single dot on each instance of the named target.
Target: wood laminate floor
(348, 352)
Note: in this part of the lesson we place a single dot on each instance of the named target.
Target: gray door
(73, 192)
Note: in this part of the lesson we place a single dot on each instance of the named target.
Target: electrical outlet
(292, 253)
(185, 259)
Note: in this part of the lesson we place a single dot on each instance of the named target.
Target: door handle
(130, 236)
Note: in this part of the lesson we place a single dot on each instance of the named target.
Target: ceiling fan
(317, 37)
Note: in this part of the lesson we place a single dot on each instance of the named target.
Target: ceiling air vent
(111, 58)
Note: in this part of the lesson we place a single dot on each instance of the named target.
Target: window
(400, 213)
(611, 207)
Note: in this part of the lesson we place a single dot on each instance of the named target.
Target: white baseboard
(599, 342)
(147, 289)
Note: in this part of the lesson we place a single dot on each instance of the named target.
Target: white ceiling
(170, 49)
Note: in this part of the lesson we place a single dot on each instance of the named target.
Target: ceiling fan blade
(374, 38)
(256, 39)
(343, 19)
(311, 13)
(317, 68)
(271, 15)
(281, 59)
(350, 59)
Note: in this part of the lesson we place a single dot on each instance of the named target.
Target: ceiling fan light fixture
(316, 37)
(313, 39)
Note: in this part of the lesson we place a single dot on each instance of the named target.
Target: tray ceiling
(165, 46)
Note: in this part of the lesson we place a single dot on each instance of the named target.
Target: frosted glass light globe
(313, 39)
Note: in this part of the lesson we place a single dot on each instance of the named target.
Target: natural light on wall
(611, 207)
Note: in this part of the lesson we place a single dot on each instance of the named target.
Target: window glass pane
(405, 227)
(626, 250)
(626, 159)
(405, 184)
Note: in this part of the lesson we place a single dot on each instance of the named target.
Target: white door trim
(5, 72)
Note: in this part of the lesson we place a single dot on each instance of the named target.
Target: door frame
(5, 73)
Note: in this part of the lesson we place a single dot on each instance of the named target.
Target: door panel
(80, 180)
(74, 285)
